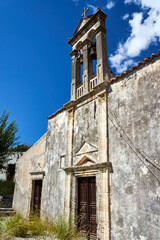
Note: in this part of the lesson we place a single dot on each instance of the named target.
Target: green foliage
(19, 148)
(17, 226)
(6, 187)
(8, 137)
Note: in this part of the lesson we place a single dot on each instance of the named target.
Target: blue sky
(35, 66)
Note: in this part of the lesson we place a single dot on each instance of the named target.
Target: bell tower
(89, 50)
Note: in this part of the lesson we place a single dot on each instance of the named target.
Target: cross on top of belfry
(84, 14)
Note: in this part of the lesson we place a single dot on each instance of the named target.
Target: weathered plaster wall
(135, 193)
(54, 180)
(85, 125)
(32, 161)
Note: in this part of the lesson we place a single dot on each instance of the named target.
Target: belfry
(98, 161)
(88, 44)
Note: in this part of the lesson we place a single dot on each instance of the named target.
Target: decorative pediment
(82, 22)
(86, 148)
(85, 161)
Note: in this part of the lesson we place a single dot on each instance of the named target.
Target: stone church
(99, 158)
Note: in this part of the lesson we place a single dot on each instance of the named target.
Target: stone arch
(79, 45)
(91, 34)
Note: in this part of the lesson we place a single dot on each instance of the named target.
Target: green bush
(19, 148)
(6, 187)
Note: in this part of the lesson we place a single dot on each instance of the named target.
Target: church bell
(80, 56)
(93, 52)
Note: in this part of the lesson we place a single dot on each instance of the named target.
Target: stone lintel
(38, 173)
(92, 166)
(87, 26)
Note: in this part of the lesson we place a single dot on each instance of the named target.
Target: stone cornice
(96, 90)
(92, 166)
(56, 113)
(100, 28)
(73, 53)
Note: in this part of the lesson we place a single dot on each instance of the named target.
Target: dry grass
(17, 226)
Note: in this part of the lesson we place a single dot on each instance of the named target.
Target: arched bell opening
(79, 48)
(92, 54)
(91, 34)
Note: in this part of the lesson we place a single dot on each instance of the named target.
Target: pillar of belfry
(86, 66)
(75, 74)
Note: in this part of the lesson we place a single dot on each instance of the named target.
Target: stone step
(6, 209)
(7, 212)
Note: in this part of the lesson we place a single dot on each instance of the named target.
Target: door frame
(88, 199)
(33, 196)
(33, 177)
(75, 175)
(102, 173)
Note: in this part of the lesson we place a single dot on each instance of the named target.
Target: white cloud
(76, 1)
(145, 3)
(144, 31)
(128, 1)
(110, 4)
(126, 16)
(120, 60)
(93, 8)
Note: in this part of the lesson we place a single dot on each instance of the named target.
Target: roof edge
(56, 113)
(140, 63)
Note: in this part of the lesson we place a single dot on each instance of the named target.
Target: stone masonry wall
(134, 122)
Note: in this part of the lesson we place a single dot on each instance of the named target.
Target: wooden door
(37, 190)
(87, 206)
